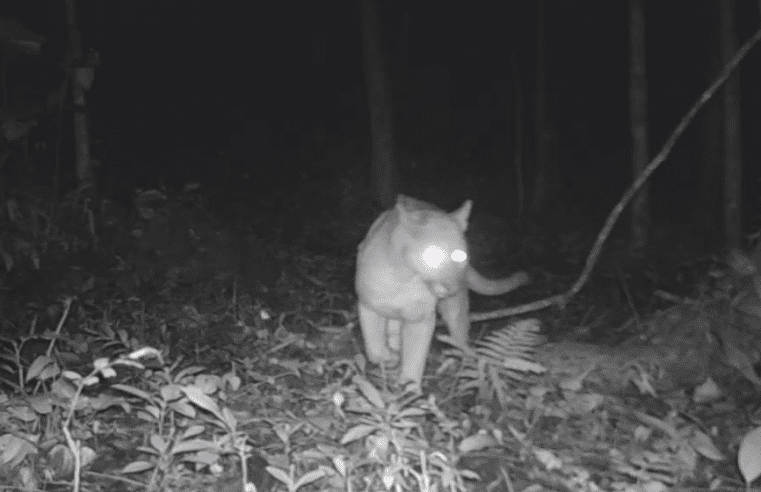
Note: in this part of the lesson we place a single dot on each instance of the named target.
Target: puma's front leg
(416, 341)
(374, 333)
(454, 310)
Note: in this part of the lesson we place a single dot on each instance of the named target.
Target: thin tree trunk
(542, 132)
(640, 223)
(383, 167)
(732, 142)
(518, 161)
(707, 213)
(82, 166)
(400, 97)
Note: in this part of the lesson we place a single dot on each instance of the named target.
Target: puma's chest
(411, 257)
(393, 293)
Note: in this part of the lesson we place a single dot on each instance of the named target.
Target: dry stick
(562, 299)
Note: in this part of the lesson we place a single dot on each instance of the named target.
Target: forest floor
(180, 345)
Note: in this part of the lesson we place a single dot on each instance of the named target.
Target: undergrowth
(345, 435)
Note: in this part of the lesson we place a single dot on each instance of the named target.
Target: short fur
(399, 293)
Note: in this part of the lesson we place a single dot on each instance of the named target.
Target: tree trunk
(82, 166)
(384, 173)
(732, 144)
(640, 223)
(709, 157)
(518, 146)
(400, 71)
(542, 133)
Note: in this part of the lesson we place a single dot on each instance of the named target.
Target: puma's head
(435, 246)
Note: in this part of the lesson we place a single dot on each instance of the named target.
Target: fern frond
(501, 358)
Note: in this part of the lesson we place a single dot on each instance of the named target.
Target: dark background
(183, 83)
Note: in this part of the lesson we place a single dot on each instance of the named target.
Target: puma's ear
(406, 216)
(400, 208)
(462, 214)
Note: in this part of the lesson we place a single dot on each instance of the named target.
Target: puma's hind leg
(454, 310)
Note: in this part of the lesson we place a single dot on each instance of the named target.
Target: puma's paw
(382, 356)
(393, 362)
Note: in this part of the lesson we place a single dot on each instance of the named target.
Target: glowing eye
(433, 257)
(458, 256)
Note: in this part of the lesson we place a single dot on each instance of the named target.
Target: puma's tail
(494, 287)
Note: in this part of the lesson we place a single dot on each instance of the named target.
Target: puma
(414, 260)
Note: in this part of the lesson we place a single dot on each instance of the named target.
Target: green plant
(498, 359)
(392, 431)
(170, 404)
(55, 407)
